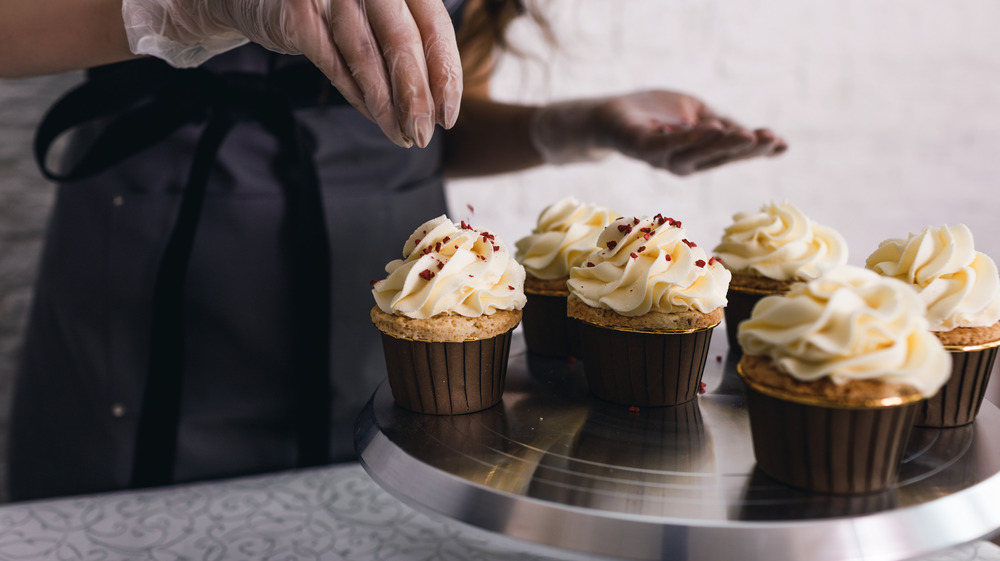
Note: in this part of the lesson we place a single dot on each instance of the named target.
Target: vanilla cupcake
(961, 288)
(564, 235)
(446, 312)
(769, 250)
(646, 303)
(836, 369)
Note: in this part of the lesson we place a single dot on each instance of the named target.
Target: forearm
(489, 138)
(48, 36)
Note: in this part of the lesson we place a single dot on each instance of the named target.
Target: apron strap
(146, 102)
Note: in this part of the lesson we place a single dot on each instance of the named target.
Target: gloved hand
(396, 61)
(668, 130)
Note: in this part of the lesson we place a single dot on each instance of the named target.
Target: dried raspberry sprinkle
(589, 264)
(373, 282)
(440, 265)
(689, 243)
(426, 274)
(641, 248)
(667, 257)
(645, 230)
(701, 387)
(625, 228)
(437, 247)
(660, 220)
(634, 255)
(496, 248)
(700, 262)
(446, 239)
(676, 223)
(635, 221)
(417, 241)
(483, 257)
(510, 287)
(711, 260)
(645, 237)
(612, 244)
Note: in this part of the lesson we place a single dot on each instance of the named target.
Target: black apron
(201, 309)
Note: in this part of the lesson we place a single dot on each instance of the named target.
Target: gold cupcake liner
(829, 450)
(837, 403)
(972, 348)
(643, 369)
(958, 401)
(447, 378)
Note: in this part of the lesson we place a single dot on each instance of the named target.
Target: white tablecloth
(333, 513)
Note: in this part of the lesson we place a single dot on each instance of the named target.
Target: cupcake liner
(637, 368)
(828, 449)
(547, 330)
(957, 402)
(738, 307)
(447, 378)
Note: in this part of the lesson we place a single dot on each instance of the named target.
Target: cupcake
(446, 312)
(565, 234)
(769, 250)
(961, 289)
(646, 302)
(836, 369)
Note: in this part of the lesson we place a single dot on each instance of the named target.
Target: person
(236, 173)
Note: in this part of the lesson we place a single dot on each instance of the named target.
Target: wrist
(565, 132)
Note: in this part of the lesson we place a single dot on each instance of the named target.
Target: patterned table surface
(332, 513)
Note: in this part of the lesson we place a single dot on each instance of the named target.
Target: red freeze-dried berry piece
(426, 274)
(440, 265)
(635, 221)
(645, 237)
(446, 239)
(625, 228)
(437, 247)
(645, 230)
(676, 223)
(634, 255)
(373, 282)
(612, 244)
(667, 257)
(589, 264)
(496, 248)
(641, 248)
(417, 241)
(660, 220)
(689, 243)
(700, 262)
(701, 387)
(483, 257)
(510, 287)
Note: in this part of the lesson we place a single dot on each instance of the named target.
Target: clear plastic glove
(668, 130)
(396, 61)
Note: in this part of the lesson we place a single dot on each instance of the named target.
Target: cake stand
(557, 467)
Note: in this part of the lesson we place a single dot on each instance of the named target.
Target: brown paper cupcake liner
(636, 368)
(829, 449)
(447, 378)
(547, 329)
(958, 401)
(738, 307)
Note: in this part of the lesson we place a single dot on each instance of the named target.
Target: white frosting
(781, 243)
(449, 268)
(565, 234)
(849, 324)
(959, 285)
(648, 265)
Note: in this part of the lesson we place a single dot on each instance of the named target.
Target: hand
(396, 61)
(668, 130)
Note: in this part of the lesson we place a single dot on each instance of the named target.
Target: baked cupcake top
(566, 232)
(450, 268)
(781, 243)
(959, 285)
(647, 265)
(848, 325)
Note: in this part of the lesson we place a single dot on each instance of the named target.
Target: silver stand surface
(555, 466)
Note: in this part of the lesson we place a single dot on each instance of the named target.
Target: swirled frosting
(959, 285)
(849, 324)
(450, 268)
(781, 243)
(566, 232)
(647, 264)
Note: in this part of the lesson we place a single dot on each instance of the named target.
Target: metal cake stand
(555, 466)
